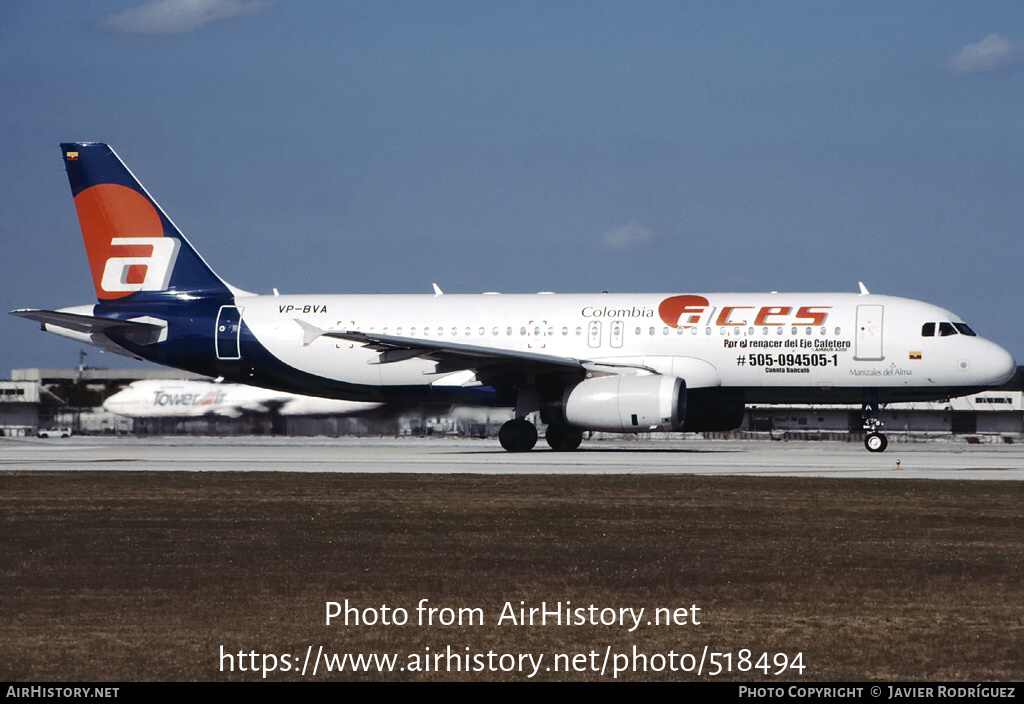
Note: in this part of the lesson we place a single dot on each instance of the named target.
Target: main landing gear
(874, 441)
(563, 438)
(518, 435)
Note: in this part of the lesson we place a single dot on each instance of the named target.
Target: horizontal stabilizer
(141, 333)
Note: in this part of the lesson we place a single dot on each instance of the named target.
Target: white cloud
(177, 16)
(633, 234)
(993, 53)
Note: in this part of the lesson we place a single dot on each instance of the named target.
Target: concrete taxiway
(936, 460)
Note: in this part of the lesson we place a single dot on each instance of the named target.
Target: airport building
(42, 399)
(37, 400)
(19, 408)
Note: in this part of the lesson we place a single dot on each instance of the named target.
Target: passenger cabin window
(928, 330)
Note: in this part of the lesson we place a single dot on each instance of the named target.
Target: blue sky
(676, 147)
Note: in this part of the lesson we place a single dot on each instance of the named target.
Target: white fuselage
(774, 341)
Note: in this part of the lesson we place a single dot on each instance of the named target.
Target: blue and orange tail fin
(135, 252)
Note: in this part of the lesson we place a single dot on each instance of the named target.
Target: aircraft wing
(135, 331)
(491, 365)
(452, 356)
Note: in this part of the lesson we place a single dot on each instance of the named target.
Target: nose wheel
(874, 440)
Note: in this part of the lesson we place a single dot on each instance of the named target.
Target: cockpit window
(947, 329)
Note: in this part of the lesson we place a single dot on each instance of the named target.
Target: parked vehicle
(55, 432)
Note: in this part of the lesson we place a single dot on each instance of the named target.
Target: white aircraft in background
(161, 398)
(625, 363)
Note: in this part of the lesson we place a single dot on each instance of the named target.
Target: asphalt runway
(935, 460)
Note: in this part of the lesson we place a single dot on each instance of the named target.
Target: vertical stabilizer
(135, 252)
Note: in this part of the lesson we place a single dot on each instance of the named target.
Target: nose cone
(999, 365)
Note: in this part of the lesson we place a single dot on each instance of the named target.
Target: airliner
(180, 398)
(621, 363)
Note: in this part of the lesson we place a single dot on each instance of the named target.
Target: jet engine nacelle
(626, 404)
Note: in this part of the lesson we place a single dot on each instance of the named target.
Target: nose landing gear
(874, 441)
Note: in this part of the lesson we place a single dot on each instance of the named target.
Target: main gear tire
(563, 438)
(518, 435)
